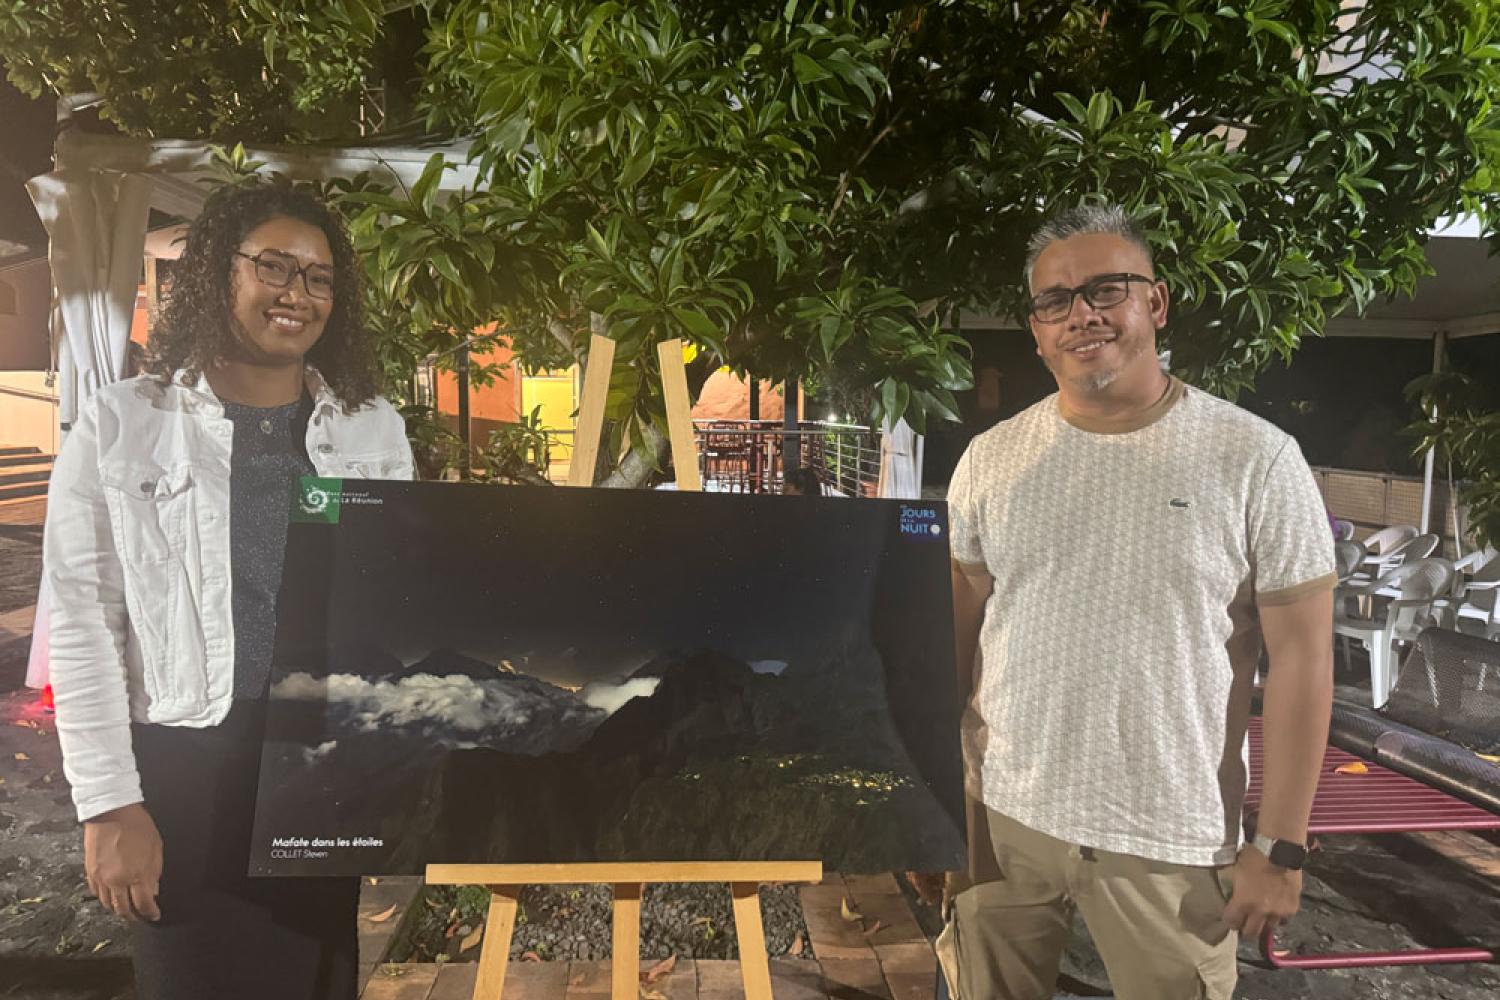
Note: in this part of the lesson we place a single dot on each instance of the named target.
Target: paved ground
(56, 944)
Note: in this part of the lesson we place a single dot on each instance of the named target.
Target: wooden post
(679, 415)
(629, 879)
(465, 432)
(752, 939)
(625, 955)
(499, 928)
(591, 410)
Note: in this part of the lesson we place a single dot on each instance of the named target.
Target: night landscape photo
(519, 674)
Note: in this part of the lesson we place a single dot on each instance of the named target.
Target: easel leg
(625, 961)
(494, 955)
(754, 969)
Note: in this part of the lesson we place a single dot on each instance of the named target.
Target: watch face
(1287, 855)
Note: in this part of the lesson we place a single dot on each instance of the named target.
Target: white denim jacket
(136, 554)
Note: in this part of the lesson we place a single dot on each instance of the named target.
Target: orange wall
(726, 396)
(498, 402)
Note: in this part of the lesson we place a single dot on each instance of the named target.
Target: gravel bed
(572, 923)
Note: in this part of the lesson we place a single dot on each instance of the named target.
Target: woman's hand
(122, 861)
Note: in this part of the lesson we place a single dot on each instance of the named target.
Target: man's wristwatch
(1282, 853)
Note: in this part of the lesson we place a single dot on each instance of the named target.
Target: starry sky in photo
(573, 586)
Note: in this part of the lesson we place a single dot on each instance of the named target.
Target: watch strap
(1282, 853)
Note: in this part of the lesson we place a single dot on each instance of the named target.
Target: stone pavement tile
(796, 979)
(587, 980)
(375, 901)
(897, 924)
(831, 936)
(679, 984)
(824, 894)
(906, 986)
(907, 958)
(1463, 848)
(400, 982)
(850, 979)
(455, 981)
(720, 980)
(861, 886)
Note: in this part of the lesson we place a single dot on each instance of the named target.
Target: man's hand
(122, 861)
(929, 886)
(1265, 895)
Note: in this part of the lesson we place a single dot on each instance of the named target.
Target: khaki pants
(1157, 926)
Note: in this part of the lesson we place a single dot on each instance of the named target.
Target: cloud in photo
(453, 704)
(609, 698)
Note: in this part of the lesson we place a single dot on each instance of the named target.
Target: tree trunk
(636, 469)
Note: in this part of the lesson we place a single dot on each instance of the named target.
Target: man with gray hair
(1120, 551)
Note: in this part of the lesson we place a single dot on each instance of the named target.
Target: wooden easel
(628, 878)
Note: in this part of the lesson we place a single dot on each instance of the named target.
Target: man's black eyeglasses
(279, 270)
(1101, 292)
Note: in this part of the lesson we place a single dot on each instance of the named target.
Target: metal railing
(744, 456)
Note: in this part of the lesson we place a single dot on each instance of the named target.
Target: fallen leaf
(848, 912)
(799, 943)
(662, 968)
(473, 939)
(1492, 758)
(530, 956)
(25, 724)
(383, 915)
(33, 899)
(452, 930)
(647, 993)
(101, 946)
(22, 756)
(1358, 767)
(374, 880)
(873, 928)
(700, 920)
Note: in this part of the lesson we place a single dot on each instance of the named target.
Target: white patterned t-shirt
(1118, 648)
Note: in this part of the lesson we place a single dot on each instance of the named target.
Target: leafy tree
(249, 70)
(815, 187)
(1463, 424)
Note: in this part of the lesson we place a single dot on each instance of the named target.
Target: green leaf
(595, 21)
(422, 192)
(699, 325)
(808, 70)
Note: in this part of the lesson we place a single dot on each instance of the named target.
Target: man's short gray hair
(1108, 219)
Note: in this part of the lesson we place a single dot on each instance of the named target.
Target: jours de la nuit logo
(921, 522)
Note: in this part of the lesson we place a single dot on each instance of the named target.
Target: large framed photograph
(489, 674)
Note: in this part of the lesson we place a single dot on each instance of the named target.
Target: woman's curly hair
(197, 325)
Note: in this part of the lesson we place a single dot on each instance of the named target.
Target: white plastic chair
(1477, 597)
(1347, 558)
(1421, 586)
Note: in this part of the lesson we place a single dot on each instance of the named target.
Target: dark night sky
(597, 582)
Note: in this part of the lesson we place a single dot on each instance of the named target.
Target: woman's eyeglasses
(1101, 292)
(279, 270)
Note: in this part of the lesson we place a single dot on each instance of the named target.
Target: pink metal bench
(1377, 801)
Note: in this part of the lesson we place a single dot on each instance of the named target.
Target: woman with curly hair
(167, 520)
